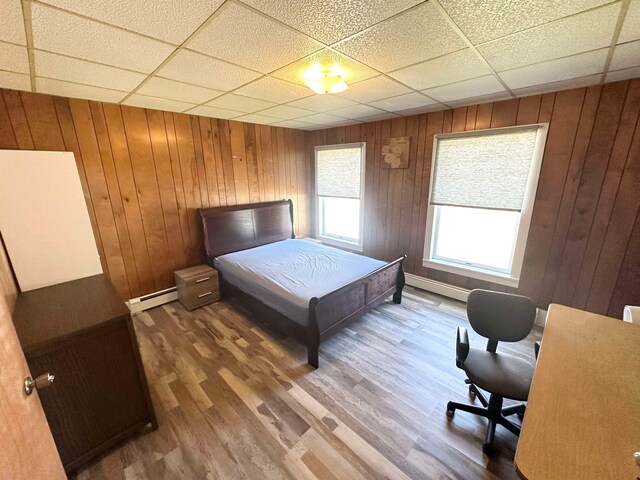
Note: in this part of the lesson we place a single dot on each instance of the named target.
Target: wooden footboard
(335, 310)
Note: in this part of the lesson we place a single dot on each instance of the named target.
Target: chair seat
(498, 373)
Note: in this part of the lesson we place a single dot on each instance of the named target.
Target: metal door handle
(41, 381)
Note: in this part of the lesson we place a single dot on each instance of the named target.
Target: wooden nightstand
(197, 286)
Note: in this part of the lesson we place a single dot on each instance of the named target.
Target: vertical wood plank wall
(145, 173)
(583, 248)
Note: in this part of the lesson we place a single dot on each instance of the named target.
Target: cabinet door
(27, 447)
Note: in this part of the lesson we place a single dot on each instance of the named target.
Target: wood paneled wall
(145, 173)
(583, 248)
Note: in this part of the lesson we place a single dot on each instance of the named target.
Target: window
(483, 185)
(340, 194)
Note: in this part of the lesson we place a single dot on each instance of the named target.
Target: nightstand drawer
(197, 286)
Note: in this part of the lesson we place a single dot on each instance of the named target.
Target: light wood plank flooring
(236, 399)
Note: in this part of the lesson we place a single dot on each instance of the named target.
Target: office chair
(500, 317)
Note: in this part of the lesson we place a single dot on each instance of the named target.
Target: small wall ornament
(395, 152)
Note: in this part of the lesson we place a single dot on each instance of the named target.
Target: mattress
(286, 275)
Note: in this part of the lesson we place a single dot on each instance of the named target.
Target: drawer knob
(203, 279)
(40, 382)
(204, 294)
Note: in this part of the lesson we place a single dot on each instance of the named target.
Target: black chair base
(493, 411)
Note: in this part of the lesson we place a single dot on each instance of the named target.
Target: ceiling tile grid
(577, 34)
(66, 33)
(144, 101)
(146, 17)
(172, 90)
(320, 19)
(244, 59)
(404, 40)
(255, 41)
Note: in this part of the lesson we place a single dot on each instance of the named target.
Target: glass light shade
(324, 81)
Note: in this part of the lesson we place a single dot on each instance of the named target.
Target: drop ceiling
(242, 59)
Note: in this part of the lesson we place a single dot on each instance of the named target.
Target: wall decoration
(395, 152)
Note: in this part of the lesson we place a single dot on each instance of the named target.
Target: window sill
(486, 275)
(353, 247)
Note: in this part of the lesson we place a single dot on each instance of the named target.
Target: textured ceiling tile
(356, 111)
(12, 22)
(292, 124)
(275, 90)
(331, 20)
(257, 118)
(426, 109)
(492, 97)
(631, 26)
(66, 33)
(556, 70)
(557, 86)
(59, 67)
(404, 40)
(353, 71)
(147, 17)
(212, 112)
(14, 58)
(403, 102)
(374, 89)
(454, 67)
(286, 112)
(73, 90)
(483, 20)
(239, 103)
(15, 81)
(241, 36)
(626, 74)
(379, 117)
(465, 89)
(321, 119)
(581, 33)
(205, 71)
(626, 56)
(343, 123)
(182, 92)
(157, 103)
(322, 103)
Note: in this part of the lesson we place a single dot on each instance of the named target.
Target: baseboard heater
(145, 302)
(454, 292)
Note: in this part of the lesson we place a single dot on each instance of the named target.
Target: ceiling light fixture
(325, 80)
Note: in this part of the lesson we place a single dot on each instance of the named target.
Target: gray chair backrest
(500, 316)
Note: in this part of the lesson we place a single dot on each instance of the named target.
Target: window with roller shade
(483, 185)
(340, 194)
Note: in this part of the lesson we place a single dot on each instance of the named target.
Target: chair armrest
(462, 346)
(536, 347)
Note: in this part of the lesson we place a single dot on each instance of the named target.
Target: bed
(308, 291)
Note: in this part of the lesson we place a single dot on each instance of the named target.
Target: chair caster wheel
(487, 449)
(472, 392)
(450, 411)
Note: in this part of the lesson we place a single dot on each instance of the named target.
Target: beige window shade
(488, 170)
(339, 171)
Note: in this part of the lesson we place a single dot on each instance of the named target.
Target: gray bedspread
(286, 275)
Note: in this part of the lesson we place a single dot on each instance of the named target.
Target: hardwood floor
(235, 399)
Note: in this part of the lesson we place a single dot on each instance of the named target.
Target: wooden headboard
(239, 227)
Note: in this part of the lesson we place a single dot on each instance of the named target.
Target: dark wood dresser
(81, 332)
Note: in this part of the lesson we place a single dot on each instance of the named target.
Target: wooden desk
(583, 413)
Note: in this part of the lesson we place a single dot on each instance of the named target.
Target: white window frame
(511, 278)
(357, 247)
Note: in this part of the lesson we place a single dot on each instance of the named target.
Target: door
(28, 450)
